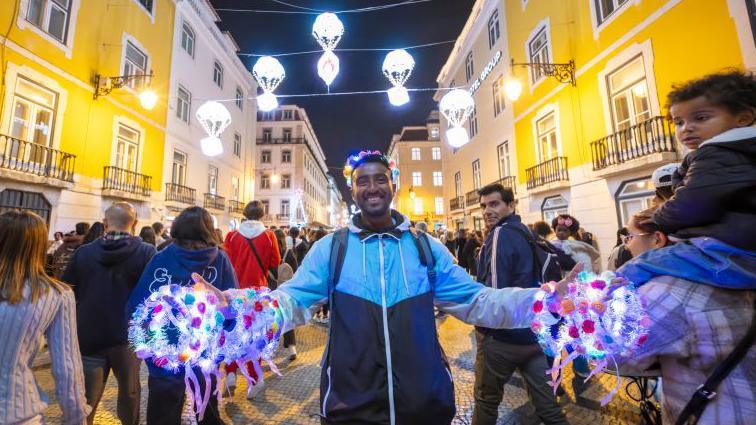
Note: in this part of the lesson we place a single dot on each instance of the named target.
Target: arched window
(633, 196)
(552, 207)
(11, 199)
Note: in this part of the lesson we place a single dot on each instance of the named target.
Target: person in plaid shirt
(696, 324)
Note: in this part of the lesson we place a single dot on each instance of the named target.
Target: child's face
(698, 120)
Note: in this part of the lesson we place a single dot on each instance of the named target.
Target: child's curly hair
(734, 90)
(571, 223)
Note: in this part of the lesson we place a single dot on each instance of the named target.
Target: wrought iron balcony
(214, 201)
(551, 171)
(126, 181)
(32, 158)
(654, 135)
(280, 141)
(472, 198)
(456, 203)
(508, 181)
(178, 193)
(236, 207)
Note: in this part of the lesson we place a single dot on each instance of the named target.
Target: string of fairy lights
(456, 104)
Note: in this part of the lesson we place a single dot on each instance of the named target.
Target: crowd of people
(377, 282)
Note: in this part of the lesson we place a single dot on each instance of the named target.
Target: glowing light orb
(457, 137)
(269, 73)
(398, 96)
(267, 102)
(148, 99)
(513, 89)
(456, 106)
(327, 30)
(211, 146)
(328, 67)
(397, 67)
(213, 117)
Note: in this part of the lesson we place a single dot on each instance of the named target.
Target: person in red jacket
(246, 261)
(254, 254)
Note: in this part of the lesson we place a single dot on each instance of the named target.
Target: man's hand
(200, 284)
(563, 285)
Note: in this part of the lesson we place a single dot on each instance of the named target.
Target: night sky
(346, 124)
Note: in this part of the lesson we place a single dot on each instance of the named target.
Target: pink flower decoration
(536, 326)
(588, 326)
(642, 339)
(574, 332)
(538, 306)
(598, 284)
(196, 322)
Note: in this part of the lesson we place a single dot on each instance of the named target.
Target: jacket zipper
(328, 390)
(386, 340)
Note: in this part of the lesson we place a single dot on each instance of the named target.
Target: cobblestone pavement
(293, 398)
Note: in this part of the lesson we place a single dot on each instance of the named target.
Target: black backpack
(546, 262)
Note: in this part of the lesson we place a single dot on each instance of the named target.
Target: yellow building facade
(588, 134)
(66, 152)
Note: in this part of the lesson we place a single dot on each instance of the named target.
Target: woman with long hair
(32, 304)
(148, 235)
(194, 250)
(95, 232)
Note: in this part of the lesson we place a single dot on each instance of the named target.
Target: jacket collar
(400, 225)
(732, 135)
(511, 218)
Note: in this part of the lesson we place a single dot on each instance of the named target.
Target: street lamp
(562, 72)
(147, 97)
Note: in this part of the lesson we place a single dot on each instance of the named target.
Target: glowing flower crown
(564, 221)
(355, 160)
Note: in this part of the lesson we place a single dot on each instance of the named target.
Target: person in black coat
(470, 251)
(461, 241)
(716, 195)
(451, 243)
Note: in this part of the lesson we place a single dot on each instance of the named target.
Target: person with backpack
(383, 362)
(510, 258)
(254, 253)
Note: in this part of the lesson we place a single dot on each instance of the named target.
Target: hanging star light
(397, 67)
(328, 30)
(456, 106)
(214, 118)
(269, 73)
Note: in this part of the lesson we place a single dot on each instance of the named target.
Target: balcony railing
(33, 158)
(651, 136)
(177, 193)
(472, 198)
(282, 217)
(280, 141)
(214, 201)
(235, 207)
(126, 181)
(553, 170)
(508, 181)
(456, 203)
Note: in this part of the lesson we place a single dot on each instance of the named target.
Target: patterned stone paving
(293, 398)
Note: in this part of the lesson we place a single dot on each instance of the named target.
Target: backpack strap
(336, 260)
(707, 391)
(532, 243)
(426, 255)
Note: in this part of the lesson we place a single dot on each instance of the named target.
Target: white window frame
(137, 145)
(12, 74)
(417, 206)
(286, 181)
(599, 26)
(495, 30)
(267, 134)
(266, 153)
(415, 154)
(134, 84)
(503, 148)
(644, 49)
(417, 178)
(438, 202)
(182, 168)
(477, 181)
(287, 135)
(234, 188)
(472, 122)
(33, 105)
(237, 145)
(554, 211)
(190, 36)
(213, 175)
(285, 156)
(436, 153)
(628, 91)
(434, 133)
(121, 120)
(286, 202)
(288, 114)
(542, 113)
(143, 8)
(544, 25)
(646, 199)
(65, 46)
(183, 107)
(457, 184)
(218, 74)
(469, 67)
(499, 96)
(438, 178)
(239, 98)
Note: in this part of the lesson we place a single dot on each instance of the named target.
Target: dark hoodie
(175, 265)
(103, 274)
(63, 254)
(717, 197)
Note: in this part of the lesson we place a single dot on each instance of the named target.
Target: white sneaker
(230, 384)
(292, 353)
(255, 390)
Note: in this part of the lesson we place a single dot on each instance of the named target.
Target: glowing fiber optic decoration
(597, 323)
(397, 67)
(268, 73)
(214, 118)
(456, 106)
(327, 30)
(328, 67)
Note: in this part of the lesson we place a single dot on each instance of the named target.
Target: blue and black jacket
(384, 364)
